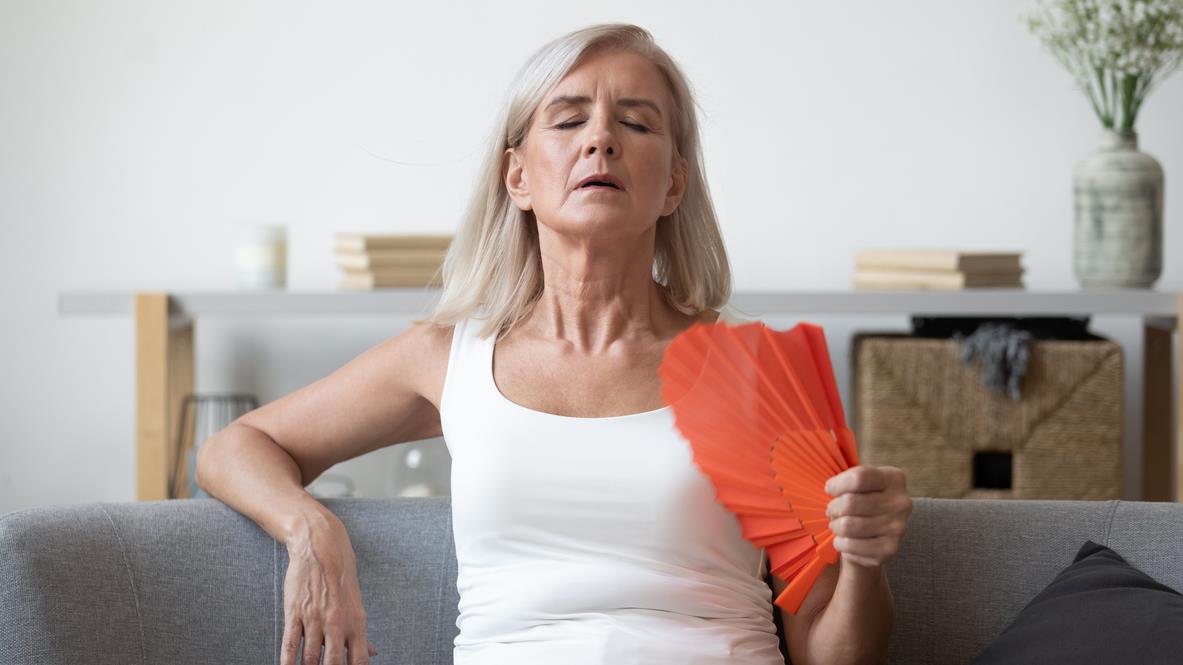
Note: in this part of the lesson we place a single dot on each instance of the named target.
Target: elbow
(199, 467)
(202, 464)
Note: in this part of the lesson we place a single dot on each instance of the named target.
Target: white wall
(134, 136)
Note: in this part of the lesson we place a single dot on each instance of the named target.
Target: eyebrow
(628, 102)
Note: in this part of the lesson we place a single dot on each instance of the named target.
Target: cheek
(654, 176)
(550, 176)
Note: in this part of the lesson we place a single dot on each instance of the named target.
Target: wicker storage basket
(919, 408)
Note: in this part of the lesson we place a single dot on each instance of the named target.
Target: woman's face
(610, 114)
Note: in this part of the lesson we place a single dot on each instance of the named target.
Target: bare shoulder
(418, 355)
(430, 345)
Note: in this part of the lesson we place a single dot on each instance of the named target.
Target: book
(397, 271)
(361, 242)
(933, 279)
(937, 259)
(377, 280)
(375, 258)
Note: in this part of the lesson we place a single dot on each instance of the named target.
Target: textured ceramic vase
(1119, 198)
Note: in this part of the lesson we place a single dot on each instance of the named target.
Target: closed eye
(571, 123)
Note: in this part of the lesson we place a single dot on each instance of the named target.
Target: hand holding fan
(761, 411)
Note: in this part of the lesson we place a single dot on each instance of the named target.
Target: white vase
(1119, 199)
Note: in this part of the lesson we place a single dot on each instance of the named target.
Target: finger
(879, 548)
(899, 478)
(867, 504)
(858, 479)
(289, 646)
(852, 526)
(334, 649)
(313, 641)
(860, 560)
(360, 651)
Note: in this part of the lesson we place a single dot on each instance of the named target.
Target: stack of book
(381, 261)
(937, 269)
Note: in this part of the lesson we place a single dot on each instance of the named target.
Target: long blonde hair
(493, 269)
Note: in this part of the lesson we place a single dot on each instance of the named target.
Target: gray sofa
(192, 581)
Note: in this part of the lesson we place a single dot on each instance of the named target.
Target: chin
(601, 224)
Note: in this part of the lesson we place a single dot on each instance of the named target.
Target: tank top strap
(463, 394)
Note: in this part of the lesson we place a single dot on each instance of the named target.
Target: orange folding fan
(761, 412)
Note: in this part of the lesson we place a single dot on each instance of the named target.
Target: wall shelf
(411, 302)
(164, 344)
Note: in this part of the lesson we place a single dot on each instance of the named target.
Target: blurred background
(137, 137)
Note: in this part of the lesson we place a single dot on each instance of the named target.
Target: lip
(603, 177)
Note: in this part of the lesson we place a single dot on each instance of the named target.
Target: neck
(594, 298)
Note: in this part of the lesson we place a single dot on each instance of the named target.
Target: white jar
(261, 256)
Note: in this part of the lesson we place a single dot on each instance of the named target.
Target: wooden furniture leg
(164, 375)
(1157, 407)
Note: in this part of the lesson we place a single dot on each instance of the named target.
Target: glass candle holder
(261, 256)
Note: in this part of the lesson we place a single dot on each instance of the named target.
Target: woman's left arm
(847, 616)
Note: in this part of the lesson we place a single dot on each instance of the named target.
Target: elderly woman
(584, 533)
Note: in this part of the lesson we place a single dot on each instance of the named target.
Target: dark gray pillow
(1100, 609)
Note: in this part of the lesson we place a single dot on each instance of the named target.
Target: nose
(600, 138)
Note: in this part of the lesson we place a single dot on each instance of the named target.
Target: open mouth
(601, 181)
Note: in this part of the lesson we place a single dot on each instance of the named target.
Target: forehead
(615, 73)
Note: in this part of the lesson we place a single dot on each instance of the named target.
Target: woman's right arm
(247, 470)
(260, 464)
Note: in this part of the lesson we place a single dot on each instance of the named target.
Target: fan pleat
(761, 411)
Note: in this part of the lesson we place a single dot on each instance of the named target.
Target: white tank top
(590, 540)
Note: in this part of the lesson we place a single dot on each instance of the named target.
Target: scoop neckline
(492, 346)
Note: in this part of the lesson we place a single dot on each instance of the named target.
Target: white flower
(1112, 45)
